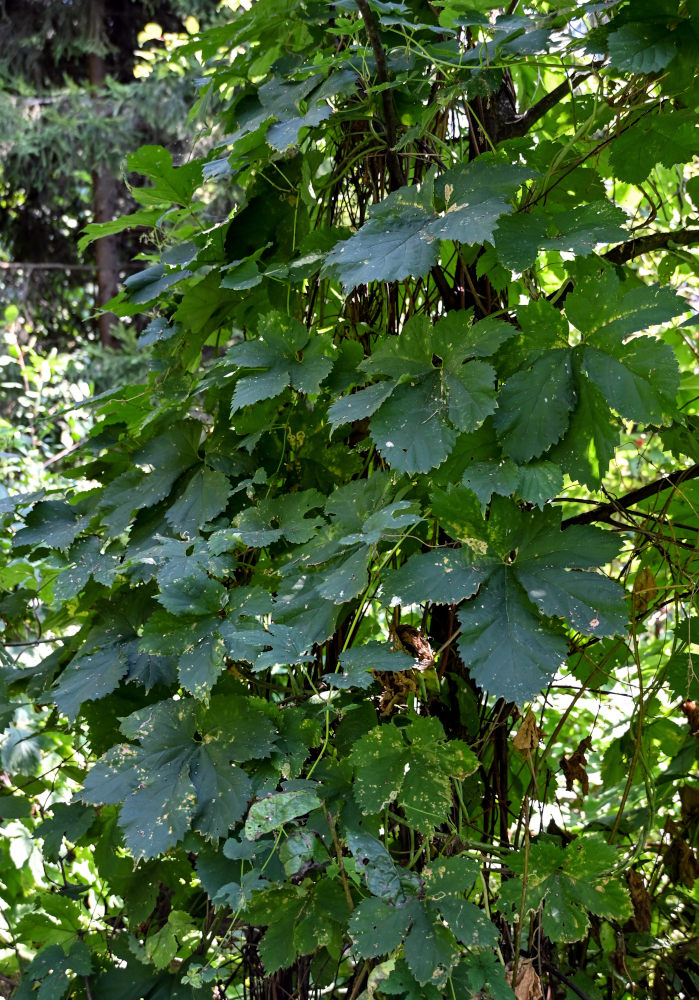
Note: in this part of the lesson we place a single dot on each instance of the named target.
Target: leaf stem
(639, 738)
(525, 882)
(340, 861)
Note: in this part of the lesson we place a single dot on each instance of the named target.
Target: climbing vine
(358, 661)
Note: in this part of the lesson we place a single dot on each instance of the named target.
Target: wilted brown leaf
(681, 863)
(554, 829)
(417, 645)
(528, 736)
(691, 711)
(639, 899)
(398, 685)
(689, 797)
(573, 767)
(528, 985)
(645, 590)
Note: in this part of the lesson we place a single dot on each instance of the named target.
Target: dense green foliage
(358, 659)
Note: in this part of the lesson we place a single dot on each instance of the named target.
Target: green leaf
(175, 777)
(360, 404)
(459, 512)
(539, 482)
(592, 603)
(240, 275)
(50, 523)
(426, 793)
(377, 928)
(570, 882)
(274, 358)
(468, 923)
(374, 862)
(481, 973)
(275, 810)
(203, 498)
(344, 577)
(148, 284)
(86, 561)
(358, 662)
(283, 134)
(196, 594)
(535, 483)
(298, 849)
(288, 646)
(380, 757)
(51, 968)
(196, 644)
(450, 876)
(471, 395)
(277, 948)
(646, 47)
(407, 430)
(588, 445)
(518, 239)
(504, 643)
(443, 576)
(534, 406)
(430, 948)
(477, 194)
(417, 774)
(543, 325)
(486, 478)
(600, 306)
(395, 243)
(159, 463)
(667, 137)
(408, 355)
(96, 230)
(17, 807)
(359, 517)
(162, 946)
(70, 820)
(401, 983)
(583, 227)
(202, 658)
(270, 520)
(172, 184)
(434, 392)
(639, 379)
(88, 677)
(457, 334)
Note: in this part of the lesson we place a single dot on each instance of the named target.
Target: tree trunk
(103, 191)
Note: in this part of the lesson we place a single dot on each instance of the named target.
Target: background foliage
(351, 655)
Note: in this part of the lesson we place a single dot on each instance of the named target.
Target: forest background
(348, 556)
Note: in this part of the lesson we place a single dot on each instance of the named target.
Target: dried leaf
(528, 985)
(398, 685)
(554, 829)
(645, 590)
(681, 863)
(413, 642)
(528, 735)
(689, 797)
(691, 710)
(573, 767)
(640, 900)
